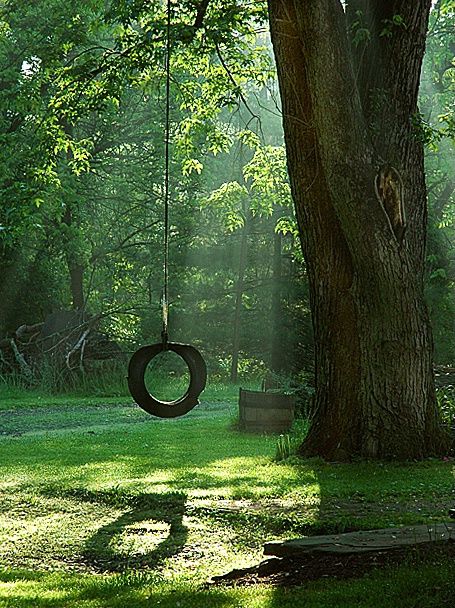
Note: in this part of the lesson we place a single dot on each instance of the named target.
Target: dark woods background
(81, 174)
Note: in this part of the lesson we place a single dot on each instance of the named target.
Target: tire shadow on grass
(148, 533)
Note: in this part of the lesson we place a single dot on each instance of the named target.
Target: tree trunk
(75, 266)
(238, 300)
(77, 284)
(277, 360)
(347, 114)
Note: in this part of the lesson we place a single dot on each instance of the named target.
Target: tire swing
(167, 409)
(139, 361)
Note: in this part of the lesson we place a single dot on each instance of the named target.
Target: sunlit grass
(172, 454)
(177, 501)
(431, 587)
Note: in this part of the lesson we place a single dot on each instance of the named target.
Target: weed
(284, 448)
(446, 401)
(288, 444)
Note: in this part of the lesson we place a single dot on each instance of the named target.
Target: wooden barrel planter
(265, 412)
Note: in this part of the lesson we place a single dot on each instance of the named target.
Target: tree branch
(200, 15)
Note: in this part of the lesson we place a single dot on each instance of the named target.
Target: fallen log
(59, 339)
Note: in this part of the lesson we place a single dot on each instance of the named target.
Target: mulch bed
(291, 572)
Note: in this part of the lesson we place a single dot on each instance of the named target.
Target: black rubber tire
(167, 409)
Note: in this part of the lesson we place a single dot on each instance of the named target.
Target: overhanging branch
(200, 15)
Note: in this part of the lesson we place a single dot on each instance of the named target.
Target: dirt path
(17, 422)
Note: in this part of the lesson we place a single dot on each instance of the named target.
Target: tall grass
(110, 384)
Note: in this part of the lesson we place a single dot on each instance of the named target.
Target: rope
(165, 298)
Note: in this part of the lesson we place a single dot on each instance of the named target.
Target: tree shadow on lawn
(358, 496)
(161, 516)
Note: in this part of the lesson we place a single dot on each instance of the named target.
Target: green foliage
(434, 126)
(446, 401)
(438, 81)
(360, 33)
(249, 368)
(391, 25)
(229, 200)
(92, 195)
(82, 133)
(267, 176)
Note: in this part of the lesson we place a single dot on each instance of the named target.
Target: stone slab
(364, 541)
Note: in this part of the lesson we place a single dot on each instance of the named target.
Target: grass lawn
(101, 505)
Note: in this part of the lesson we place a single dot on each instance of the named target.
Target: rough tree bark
(348, 112)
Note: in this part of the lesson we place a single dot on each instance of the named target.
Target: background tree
(87, 227)
(437, 125)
